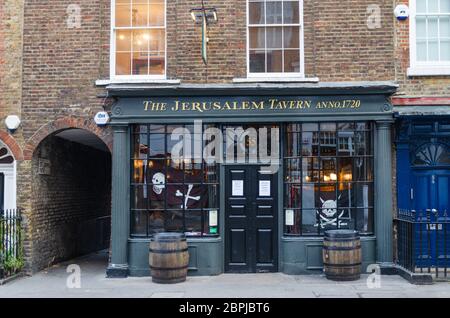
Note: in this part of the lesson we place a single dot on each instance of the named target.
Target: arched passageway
(71, 196)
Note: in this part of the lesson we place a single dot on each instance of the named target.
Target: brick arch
(12, 145)
(105, 134)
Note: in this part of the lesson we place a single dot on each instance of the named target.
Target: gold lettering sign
(274, 104)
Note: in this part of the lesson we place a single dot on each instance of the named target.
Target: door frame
(279, 209)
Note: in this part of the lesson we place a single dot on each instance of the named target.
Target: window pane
(291, 37)
(445, 6)
(139, 223)
(156, 222)
(421, 6)
(364, 220)
(293, 144)
(256, 13)
(310, 143)
(123, 63)
(291, 12)
(140, 63)
(274, 37)
(257, 61)
(445, 50)
(157, 13)
(157, 144)
(140, 146)
(157, 63)
(139, 197)
(274, 61)
(157, 40)
(139, 11)
(257, 38)
(123, 41)
(293, 170)
(308, 195)
(328, 170)
(421, 51)
(327, 143)
(444, 27)
(140, 40)
(433, 6)
(421, 27)
(193, 221)
(364, 195)
(432, 27)
(273, 12)
(293, 196)
(123, 13)
(294, 229)
(292, 61)
(139, 170)
(433, 51)
(309, 222)
(174, 221)
(310, 169)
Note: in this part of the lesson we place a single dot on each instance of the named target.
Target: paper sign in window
(237, 188)
(213, 218)
(264, 188)
(289, 217)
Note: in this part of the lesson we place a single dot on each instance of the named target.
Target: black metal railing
(423, 241)
(11, 254)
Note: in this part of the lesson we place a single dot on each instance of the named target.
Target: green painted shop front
(280, 230)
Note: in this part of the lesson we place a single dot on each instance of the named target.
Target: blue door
(430, 196)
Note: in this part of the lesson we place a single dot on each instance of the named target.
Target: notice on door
(289, 217)
(264, 188)
(237, 188)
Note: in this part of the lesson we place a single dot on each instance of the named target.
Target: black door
(251, 236)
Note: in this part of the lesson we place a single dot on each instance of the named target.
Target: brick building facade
(55, 65)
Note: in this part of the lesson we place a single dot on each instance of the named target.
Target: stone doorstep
(413, 278)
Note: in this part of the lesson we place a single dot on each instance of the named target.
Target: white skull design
(158, 181)
(329, 208)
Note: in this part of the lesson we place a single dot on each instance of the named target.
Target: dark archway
(71, 196)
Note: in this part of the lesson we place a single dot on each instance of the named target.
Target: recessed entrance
(251, 207)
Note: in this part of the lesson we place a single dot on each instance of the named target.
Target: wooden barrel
(342, 255)
(169, 258)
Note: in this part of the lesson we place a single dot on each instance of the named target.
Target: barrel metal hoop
(343, 248)
(168, 251)
(350, 239)
(168, 268)
(342, 265)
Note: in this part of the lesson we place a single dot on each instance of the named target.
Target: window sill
(105, 82)
(429, 71)
(276, 80)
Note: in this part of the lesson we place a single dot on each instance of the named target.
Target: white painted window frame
(112, 58)
(10, 172)
(268, 75)
(422, 68)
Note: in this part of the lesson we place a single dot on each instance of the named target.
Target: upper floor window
(139, 38)
(275, 38)
(430, 37)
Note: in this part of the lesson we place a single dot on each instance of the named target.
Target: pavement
(52, 283)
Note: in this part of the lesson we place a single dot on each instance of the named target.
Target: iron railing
(423, 242)
(11, 255)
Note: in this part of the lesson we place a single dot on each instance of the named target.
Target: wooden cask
(169, 258)
(342, 255)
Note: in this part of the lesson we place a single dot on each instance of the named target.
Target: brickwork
(68, 200)
(416, 86)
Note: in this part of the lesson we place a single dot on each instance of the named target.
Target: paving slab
(52, 283)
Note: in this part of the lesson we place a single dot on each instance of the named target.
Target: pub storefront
(252, 174)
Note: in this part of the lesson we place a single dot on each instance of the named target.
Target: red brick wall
(417, 86)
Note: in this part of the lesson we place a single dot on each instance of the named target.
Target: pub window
(430, 37)
(275, 38)
(139, 39)
(168, 194)
(328, 177)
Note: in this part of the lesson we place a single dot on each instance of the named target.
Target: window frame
(417, 68)
(301, 73)
(112, 65)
